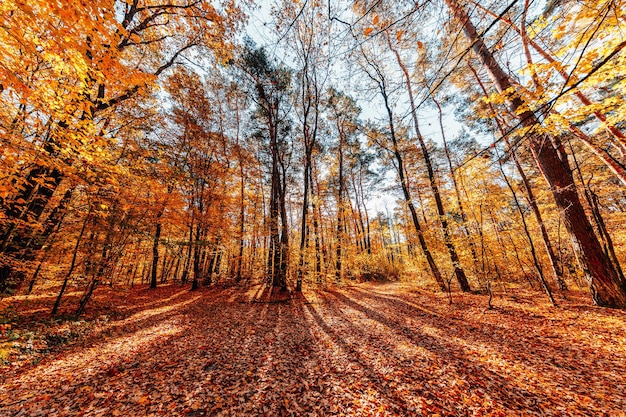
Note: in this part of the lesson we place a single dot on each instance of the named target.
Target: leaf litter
(363, 350)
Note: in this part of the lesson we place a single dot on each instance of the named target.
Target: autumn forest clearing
(312, 207)
(385, 349)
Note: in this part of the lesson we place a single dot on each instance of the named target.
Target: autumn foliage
(469, 149)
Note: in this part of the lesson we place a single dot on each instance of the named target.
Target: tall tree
(343, 113)
(379, 78)
(271, 86)
(306, 32)
(454, 257)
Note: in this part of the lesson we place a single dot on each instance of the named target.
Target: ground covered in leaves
(364, 350)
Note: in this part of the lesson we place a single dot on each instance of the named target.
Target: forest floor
(361, 350)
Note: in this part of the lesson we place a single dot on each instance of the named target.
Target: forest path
(357, 350)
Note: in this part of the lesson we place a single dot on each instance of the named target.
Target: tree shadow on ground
(355, 351)
(520, 368)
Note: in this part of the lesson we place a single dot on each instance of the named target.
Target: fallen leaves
(359, 351)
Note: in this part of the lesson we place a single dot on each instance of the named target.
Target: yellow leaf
(144, 400)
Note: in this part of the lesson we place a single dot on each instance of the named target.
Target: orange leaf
(375, 19)
(368, 31)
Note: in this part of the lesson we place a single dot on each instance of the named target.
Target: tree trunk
(275, 259)
(242, 218)
(304, 228)
(340, 211)
(155, 250)
(454, 257)
(316, 228)
(407, 197)
(457, 192)
(533, 252)
(195, 284)
(57, 303)
(592, 200)
(21, 242)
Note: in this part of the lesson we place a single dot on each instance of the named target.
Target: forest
(306, 207)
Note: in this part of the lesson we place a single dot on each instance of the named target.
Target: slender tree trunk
(195, 284)
(316, 229)
(103, 266)
(284, 234)
(209, 258)
(604, 233)
(503, 252)
(481, 234)
(57, 303)
(454, 257)
(188, 257)
(519, 261)
(592, 201)
(304, 228)
(86, 296)
(457, 192)
(242, 218)
(359, 224)
(531, 244)
(275, 256)
(340, 211)
(407, 196)
(166, 267)
(176, 267)
(215, 262)
(367, 239)
(23, 242)
(359, 232)
(155, 250)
